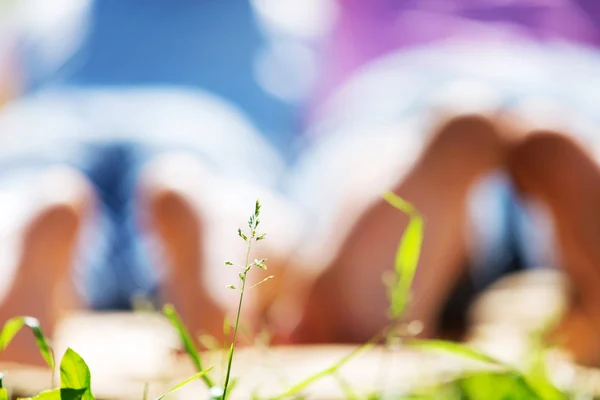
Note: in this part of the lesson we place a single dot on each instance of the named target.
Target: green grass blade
(536, 372)
(75, 374)
(14, 325)
(220, 394)
(405, 265)
(407, 255)
(186, 338)
(185, 382)
(232, 385)
(229, 363)
(399, 203)
(300, 386)
(456, 349)
(347, 389)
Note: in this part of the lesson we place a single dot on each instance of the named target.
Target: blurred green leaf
(399, 203)
(14, 325)
(186, 338)
(495, 386)
(60, 394)
(209, 342)
(407, 258)
(75, 374)
(537, 374)
(226, 325)
(10, 329)
(71, 394)
(200, 374)
(407, 255)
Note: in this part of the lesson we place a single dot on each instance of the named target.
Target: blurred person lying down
(128, 165)
(369, 135)
(481, 114)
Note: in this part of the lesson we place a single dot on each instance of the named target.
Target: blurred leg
(42, 286)
(181, 231)
(180, 228)
(348, 301)
(553, 168)
(196, 214)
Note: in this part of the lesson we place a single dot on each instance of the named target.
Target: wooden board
(126, 350)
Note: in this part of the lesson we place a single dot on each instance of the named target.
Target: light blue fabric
(208, 45)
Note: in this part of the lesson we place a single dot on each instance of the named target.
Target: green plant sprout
(407, 257)
(253, 236)
(75, 377)
(185, 382)
(14, 325)
(188, 342)
(190, 347)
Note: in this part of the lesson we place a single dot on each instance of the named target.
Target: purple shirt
(367, 29)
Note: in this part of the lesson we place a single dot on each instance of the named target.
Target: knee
(468, 144)
(546, 155)
(64, 186)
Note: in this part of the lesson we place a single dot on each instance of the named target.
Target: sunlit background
(136, 135)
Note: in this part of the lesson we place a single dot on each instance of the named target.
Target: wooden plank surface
(126, 350)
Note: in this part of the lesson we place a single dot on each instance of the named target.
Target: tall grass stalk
(253, 236)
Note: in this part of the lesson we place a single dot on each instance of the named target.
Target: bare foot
(179, 227)
(42, 279)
